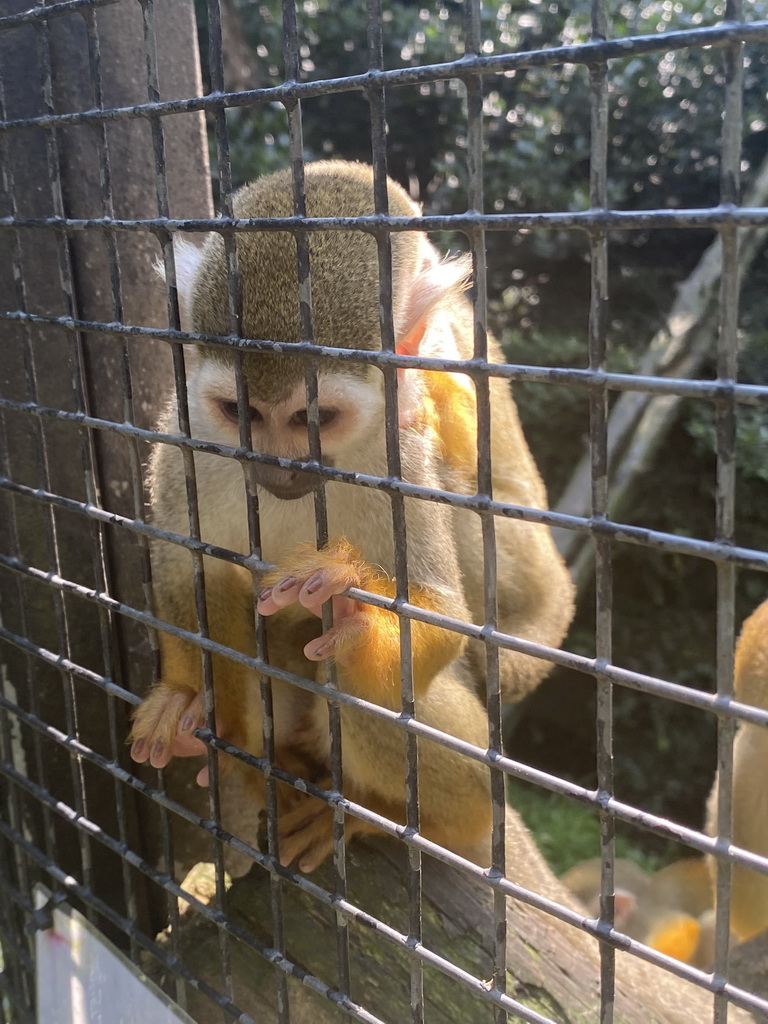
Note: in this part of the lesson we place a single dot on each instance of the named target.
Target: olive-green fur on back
(343, 266)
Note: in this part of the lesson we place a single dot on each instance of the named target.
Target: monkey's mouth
(285, 484)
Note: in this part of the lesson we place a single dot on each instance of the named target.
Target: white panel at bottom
(83, 979)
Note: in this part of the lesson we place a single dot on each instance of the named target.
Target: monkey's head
(345, 314)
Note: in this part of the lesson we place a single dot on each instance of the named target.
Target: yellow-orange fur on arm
(372, 665)
(368, 643)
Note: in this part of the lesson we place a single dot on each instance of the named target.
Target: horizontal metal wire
(43, 13)
(493, 759)
(722, 392)
(463, 68)
(716, 703)
(582, 220)
(593, 927)
(637, 535)
(744, 394)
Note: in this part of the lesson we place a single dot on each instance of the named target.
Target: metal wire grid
(21, 857)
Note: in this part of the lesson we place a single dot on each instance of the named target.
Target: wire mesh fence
(104, 166)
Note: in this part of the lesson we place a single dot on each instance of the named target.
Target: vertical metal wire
(15, 809)
(17, 979)
(725, 501)
(132, 448)
(112, 638)
(377, 102)
(161, 185)
(293, 109)
(265, 696)
(216, 66)
(598, 434)
(475, 202)
(66, 285)
(216, 70)
(23, 981)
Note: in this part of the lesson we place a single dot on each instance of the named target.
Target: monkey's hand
(164, 726)
(167, 717)
(364, 639)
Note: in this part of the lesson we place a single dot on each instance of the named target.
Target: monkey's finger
(309, 838)
(140, 751)
(187, 745)
(338, 639)
(343, 607)
(194, 716)
(203, 777)
(298, 821)
(279, 596)
(160, 754)
(324, 585)
(316, 854)
(157, 753)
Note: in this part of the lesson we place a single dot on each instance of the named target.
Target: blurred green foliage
(567, 833)
(665, 117)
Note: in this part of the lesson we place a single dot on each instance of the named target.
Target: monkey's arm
(364, 640)
(534, 590)
(163, 724)
(749, 897)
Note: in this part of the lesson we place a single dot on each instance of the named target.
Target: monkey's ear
(625, 905)
(437, 280)
(188, 258)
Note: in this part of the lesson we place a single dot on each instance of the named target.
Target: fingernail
(286, 584)
(159, 749)
(265, 594)
(314, 584)
(323, 649)
(138, 750)
(186, 723)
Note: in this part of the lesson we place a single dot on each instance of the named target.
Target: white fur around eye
(210, 382)
(361, 403)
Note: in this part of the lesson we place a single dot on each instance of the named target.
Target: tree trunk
(98, 276)
(639, 422)
(553, 968)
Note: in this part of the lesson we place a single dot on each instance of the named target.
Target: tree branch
(638, 422)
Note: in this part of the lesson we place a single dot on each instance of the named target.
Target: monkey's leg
(454, 798)
(364, 640)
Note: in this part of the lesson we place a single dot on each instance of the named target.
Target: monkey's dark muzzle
(286, 484)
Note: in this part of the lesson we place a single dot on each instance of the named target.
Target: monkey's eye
(324, 417)
(230, 410)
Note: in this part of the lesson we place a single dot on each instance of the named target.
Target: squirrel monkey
(438, 440)
(749, 893)
(670, 911)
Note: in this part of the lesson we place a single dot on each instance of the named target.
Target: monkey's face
(350, 418)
